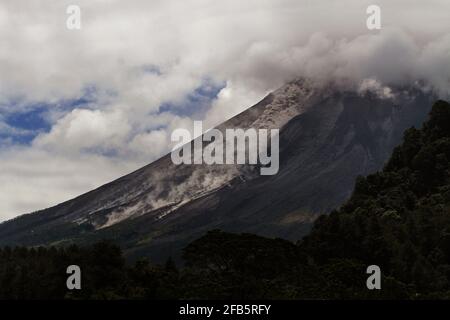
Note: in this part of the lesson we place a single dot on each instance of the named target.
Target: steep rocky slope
(328, 137)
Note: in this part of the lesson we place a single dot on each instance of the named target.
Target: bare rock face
(328, 137)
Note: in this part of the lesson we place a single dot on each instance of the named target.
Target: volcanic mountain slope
(328, 137)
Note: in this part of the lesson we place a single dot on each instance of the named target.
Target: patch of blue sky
(21, 123)
(197, 103)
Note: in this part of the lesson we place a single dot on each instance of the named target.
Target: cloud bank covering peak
(79, 108)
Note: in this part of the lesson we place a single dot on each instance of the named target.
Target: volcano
(328, 136)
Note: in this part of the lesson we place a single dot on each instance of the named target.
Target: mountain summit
(328, 137)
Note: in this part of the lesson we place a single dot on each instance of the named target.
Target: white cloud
(83, 129)
(374, 86)
(157, 140)
(33, 179)
(231, 100)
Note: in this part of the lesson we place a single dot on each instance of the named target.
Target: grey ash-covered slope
(328, 137)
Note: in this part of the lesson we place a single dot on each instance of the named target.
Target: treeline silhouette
(398, 219)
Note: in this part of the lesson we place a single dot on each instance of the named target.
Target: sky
(79, 108)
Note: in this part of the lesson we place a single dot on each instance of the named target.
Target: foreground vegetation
(398, 219)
